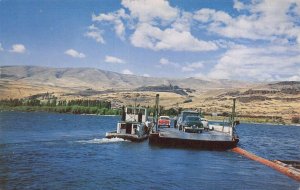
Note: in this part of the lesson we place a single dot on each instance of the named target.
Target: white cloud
(149, 10)
(74, 53)
(293, 78)
(115, 18)
(183, 22)
(164, 61)
(274, 22)
(271, 25)
(1, 48)
(238, 5)
(146, 75)
(262, 63)
(192, 66)
(207, 15)
(148, 36)
(227, 44)
(271, 20)
(18, 48)
(95, 33)
(187, 67)
(127, 72)
(155, 25)
(112, 59)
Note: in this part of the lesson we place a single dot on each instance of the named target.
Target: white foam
(101, 141)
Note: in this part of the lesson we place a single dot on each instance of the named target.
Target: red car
(164, 121)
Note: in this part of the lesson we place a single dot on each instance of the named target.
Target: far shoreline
(110, 115)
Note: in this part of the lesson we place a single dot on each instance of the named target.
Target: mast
(232, 117)
(134, 108)
(156, 111)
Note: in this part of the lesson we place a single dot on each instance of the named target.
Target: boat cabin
(138, 114)
(135, 121)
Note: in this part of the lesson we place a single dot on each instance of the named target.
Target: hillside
(79, 79)
(277, 99)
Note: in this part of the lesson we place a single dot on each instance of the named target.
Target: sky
(253, 40)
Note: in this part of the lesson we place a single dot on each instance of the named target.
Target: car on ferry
(192, 124)
(182, 116)
(205, 123)
(164, 121)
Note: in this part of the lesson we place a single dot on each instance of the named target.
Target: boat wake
(101, 141)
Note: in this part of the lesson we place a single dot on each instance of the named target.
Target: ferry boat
(212, 137)
(134, 125)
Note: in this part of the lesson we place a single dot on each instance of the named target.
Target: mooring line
(284, 170)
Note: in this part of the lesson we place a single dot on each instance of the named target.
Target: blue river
(64, 151)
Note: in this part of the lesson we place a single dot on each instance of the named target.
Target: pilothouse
(134, 125)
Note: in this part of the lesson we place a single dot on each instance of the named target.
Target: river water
(64, 151)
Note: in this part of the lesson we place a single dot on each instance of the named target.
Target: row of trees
(86, 103)
(82, 106)
(79, 106)
(69, 109)
(55, 102)
(295, 119)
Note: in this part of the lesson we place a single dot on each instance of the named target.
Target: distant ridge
(274, 101)
(99, 79)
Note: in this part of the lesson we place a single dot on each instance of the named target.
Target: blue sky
(241, 40)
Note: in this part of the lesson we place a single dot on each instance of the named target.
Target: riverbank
(63, 109)
(252, 120)
(85, 110)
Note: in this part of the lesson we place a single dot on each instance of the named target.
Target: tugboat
(188, 134)
(134, 125)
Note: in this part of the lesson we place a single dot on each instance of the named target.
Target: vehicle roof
(136, 108)
(191, 111)
(164, 116)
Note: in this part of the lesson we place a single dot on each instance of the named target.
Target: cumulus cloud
(148, 36)
(155, 25)
(18, 48)
(95, 33)
(149, 10)
(74, 53)
(271, 25)
(115, 18)
(263, 64)
(238, 5)
(127, 72)
(146, 75)
(112, 59)
(264, 20)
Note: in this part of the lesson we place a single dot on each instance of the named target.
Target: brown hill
(277, 99)
(86, 78)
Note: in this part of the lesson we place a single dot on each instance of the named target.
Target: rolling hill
(276, 99)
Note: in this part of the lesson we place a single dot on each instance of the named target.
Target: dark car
(192, 124)
(183, 115)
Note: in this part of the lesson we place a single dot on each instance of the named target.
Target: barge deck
(207, 140)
